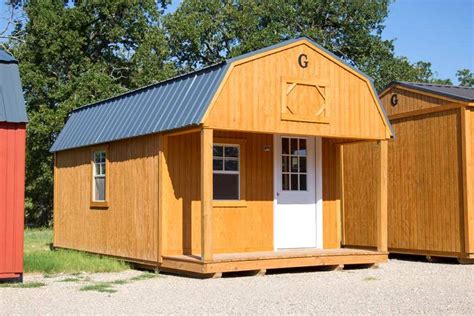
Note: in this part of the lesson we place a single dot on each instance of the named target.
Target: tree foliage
(465, 77)
(206, 32)
(73, 53)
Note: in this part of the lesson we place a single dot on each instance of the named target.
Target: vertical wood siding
(128, 227)
(12, 183)
(425, 200)
(360, 201)
(331, 195)
(234, 229)
(410, 101)
(251, 98)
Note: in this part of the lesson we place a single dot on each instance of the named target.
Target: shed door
(298, 194)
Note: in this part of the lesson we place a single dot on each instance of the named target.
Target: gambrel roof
(179, 102)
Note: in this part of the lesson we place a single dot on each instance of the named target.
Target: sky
(437, 31)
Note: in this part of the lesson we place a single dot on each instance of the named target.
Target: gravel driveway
(396, 287)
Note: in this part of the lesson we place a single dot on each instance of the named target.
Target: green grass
(143, 276)
(39, 257)
(72, 279)
(26, 285)
(99, 287)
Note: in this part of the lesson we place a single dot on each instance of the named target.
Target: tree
(208, 31)
(75, 53)
(465, 77)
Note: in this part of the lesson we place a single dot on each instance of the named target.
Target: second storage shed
(12, 168)
(430, 172)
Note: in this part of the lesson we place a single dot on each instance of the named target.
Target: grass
(26, 285)
(99, 287)
(40, 258)
(143, 276)
(108, 287)
(72, 279)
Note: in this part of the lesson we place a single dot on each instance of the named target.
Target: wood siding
(360, 202)
(331, 195)
(252, 94)
(12, 188)
(425, 181)
(234, 229)
(128, 227)
(410, 101)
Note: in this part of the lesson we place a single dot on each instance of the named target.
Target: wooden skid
(269, 260)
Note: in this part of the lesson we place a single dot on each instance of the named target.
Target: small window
(226, 170)
(99, 182)
(293, 164)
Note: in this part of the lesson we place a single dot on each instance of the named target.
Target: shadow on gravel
(426, 259)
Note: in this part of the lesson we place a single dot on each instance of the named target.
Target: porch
(258, 229)
(266, 260)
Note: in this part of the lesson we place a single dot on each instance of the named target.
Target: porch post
(206, 194)
(382, 183)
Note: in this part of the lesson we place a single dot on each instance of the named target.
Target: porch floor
(289, 258)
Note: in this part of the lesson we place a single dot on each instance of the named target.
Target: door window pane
(294, 146)
(302, 148)
(285, 181)
(294, 164)
(303, 184)
(285, 146)
(302, 164)
(285, 164)
(294, 182)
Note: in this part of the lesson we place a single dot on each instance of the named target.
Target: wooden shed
(430, 176)
(12, 168)
(233, 167)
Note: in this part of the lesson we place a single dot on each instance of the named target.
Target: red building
(12, 168)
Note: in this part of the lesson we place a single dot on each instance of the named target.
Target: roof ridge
(436, 84)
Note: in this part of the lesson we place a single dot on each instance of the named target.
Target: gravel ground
(405, 287)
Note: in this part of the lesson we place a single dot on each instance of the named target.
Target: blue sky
(438, 31)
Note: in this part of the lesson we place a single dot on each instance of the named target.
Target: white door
(298, 193)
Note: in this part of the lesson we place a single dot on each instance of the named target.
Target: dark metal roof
(454, 92)
(6, 58)
(12, 103)
(175, 103)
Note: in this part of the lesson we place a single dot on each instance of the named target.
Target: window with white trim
(294, 171)
(226, 172)
(99, 181)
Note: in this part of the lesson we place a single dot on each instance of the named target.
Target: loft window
(226, 172)
(99, 181)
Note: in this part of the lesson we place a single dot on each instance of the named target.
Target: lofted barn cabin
(430, 176)
(234, 167)
(13, 121)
